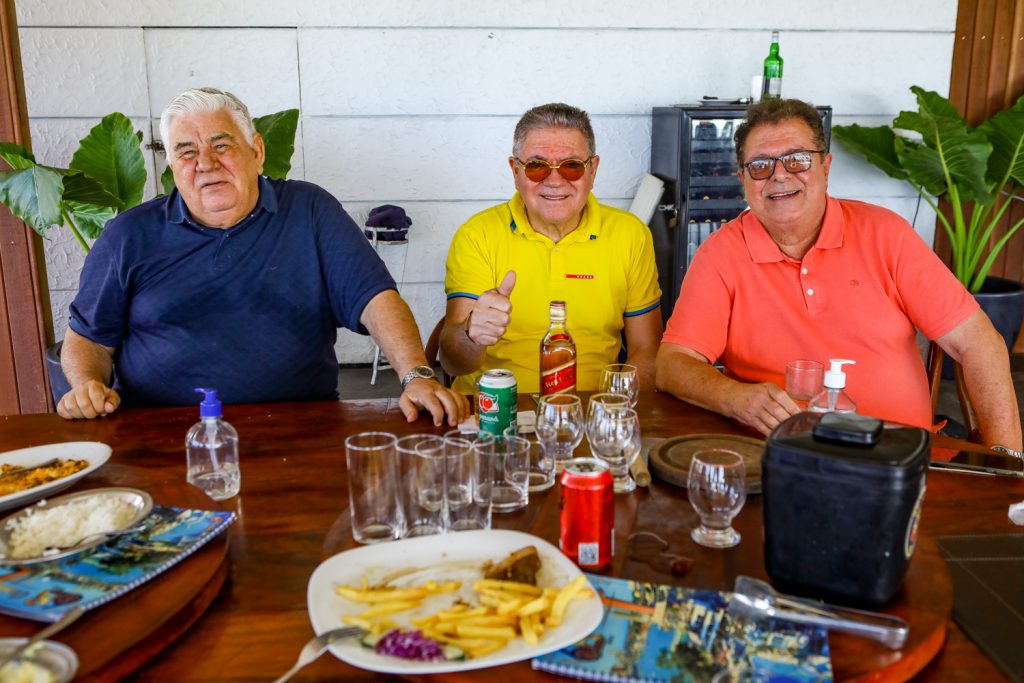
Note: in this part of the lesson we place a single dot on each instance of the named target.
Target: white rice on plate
(66, 524)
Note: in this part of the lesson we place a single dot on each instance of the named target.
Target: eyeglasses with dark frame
(794, 162)
(570, 169)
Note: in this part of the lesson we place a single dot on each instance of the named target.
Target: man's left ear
(594, 162)
(827, 164)
(260, 150)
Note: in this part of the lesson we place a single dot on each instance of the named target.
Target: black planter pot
(1003, 302)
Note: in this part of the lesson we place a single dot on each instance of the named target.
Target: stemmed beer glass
(716, 487)
(614, 436)
(619, 378)
(560, 426)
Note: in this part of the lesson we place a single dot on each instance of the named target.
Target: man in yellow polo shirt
(551, 241)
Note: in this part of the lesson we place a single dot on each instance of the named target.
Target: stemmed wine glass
(560, 426)
(614, 437)
(716, 487)
(619, 378)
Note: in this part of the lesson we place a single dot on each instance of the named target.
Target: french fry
(383, 608)
(511, 606)
(562, 601)
(526, 629)
(498, 632)
(381, 594)
(477, 652)
(534, 606)
(506, 586)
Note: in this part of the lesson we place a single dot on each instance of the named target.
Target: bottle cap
(556, 311)
(210, 406)
(835, 378)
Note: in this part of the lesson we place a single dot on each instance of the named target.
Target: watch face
(424, 372)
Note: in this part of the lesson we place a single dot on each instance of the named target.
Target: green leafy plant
(107, 175)
(979, 170)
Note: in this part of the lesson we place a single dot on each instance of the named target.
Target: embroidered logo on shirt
(578, 276)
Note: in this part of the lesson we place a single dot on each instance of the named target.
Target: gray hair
(206, 99)
(554, 115)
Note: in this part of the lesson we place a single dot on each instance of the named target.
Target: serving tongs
(755, 599)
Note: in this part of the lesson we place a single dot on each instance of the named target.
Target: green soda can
(497, 401)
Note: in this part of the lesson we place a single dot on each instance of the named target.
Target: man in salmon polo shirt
(805, 275)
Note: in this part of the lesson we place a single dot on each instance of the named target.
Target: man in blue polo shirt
(233, 281)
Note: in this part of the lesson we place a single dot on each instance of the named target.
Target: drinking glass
(601, 404)
(469, 467)
(716, 487)
(804, 380)
(619, 378)
(421, 468)
(511, 473)
(542, 469)
(373, 487)
(560, 426)
(615, 438)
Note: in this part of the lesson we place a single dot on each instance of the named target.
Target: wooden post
(26, 328)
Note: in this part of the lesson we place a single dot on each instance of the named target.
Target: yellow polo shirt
(604, 270)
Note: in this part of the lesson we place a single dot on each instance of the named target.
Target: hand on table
(762, 406)
(88, 400)
(432, 396)
(491, 313)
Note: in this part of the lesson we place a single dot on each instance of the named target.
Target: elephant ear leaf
(167, 180)
(877, 145)
(90, 218)
(1006, 132)
(112, 155)
(33, 194)
(16, 156)
(278, 133)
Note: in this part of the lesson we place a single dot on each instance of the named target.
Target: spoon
(106, 535)
(755, 599)
(50, 630)
(315, 647)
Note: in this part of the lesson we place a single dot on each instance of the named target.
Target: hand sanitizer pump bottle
(211, 447)
(833, 399)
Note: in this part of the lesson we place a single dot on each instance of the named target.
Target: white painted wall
(413, 103)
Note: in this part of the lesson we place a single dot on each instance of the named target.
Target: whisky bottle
(557, 355)
(772, 85)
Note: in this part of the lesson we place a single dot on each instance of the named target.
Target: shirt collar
(588, 229)
(763, 248)
(178, 211)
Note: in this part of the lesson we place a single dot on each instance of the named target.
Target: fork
(315, 647)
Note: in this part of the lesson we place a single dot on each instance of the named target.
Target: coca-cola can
(587, 511)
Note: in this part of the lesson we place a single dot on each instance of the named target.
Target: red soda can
(587, 512)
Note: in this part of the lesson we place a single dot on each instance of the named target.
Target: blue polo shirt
(252, 310)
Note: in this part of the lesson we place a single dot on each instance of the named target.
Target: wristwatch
(418, 372)
(1008, 451)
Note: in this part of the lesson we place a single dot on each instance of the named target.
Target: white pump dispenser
(833, 398)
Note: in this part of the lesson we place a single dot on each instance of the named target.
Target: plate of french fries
(435, 585)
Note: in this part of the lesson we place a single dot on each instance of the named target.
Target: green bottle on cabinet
(772, 86)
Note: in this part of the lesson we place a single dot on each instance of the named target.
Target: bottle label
(775, 86)
(559, 380)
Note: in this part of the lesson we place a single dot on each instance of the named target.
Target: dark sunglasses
(794, 162)
(538, 169)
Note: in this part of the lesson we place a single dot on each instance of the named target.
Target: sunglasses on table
(794, 162)
(538, 169)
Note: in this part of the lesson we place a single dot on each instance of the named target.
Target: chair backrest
(935, 358)
(432, 351)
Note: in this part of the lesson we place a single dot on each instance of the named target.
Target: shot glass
(373, 487)
(716, 487)
(422, 485)
(804, 380)
(511, 473)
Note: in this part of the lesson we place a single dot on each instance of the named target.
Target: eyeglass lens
(538, 169)
(797, 162)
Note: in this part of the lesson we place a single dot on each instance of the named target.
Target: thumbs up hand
(492, 313)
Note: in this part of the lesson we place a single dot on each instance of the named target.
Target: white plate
(93, 451)
(454, 556)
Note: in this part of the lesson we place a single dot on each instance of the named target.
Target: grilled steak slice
(521, 566)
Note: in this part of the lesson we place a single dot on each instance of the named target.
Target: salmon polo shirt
(604, 270)
(859, 292)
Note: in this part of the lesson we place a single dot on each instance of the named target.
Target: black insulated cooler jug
(842, 498)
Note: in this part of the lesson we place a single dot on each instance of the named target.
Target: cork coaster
(670, 460)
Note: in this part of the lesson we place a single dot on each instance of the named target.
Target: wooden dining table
(237, 611)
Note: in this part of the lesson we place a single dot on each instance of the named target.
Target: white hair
(206, 99)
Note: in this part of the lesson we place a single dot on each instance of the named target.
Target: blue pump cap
(210, 407)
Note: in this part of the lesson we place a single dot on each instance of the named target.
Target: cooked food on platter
(501, 609)
(14, 478)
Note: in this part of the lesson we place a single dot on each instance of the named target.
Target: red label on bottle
(558, 380)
